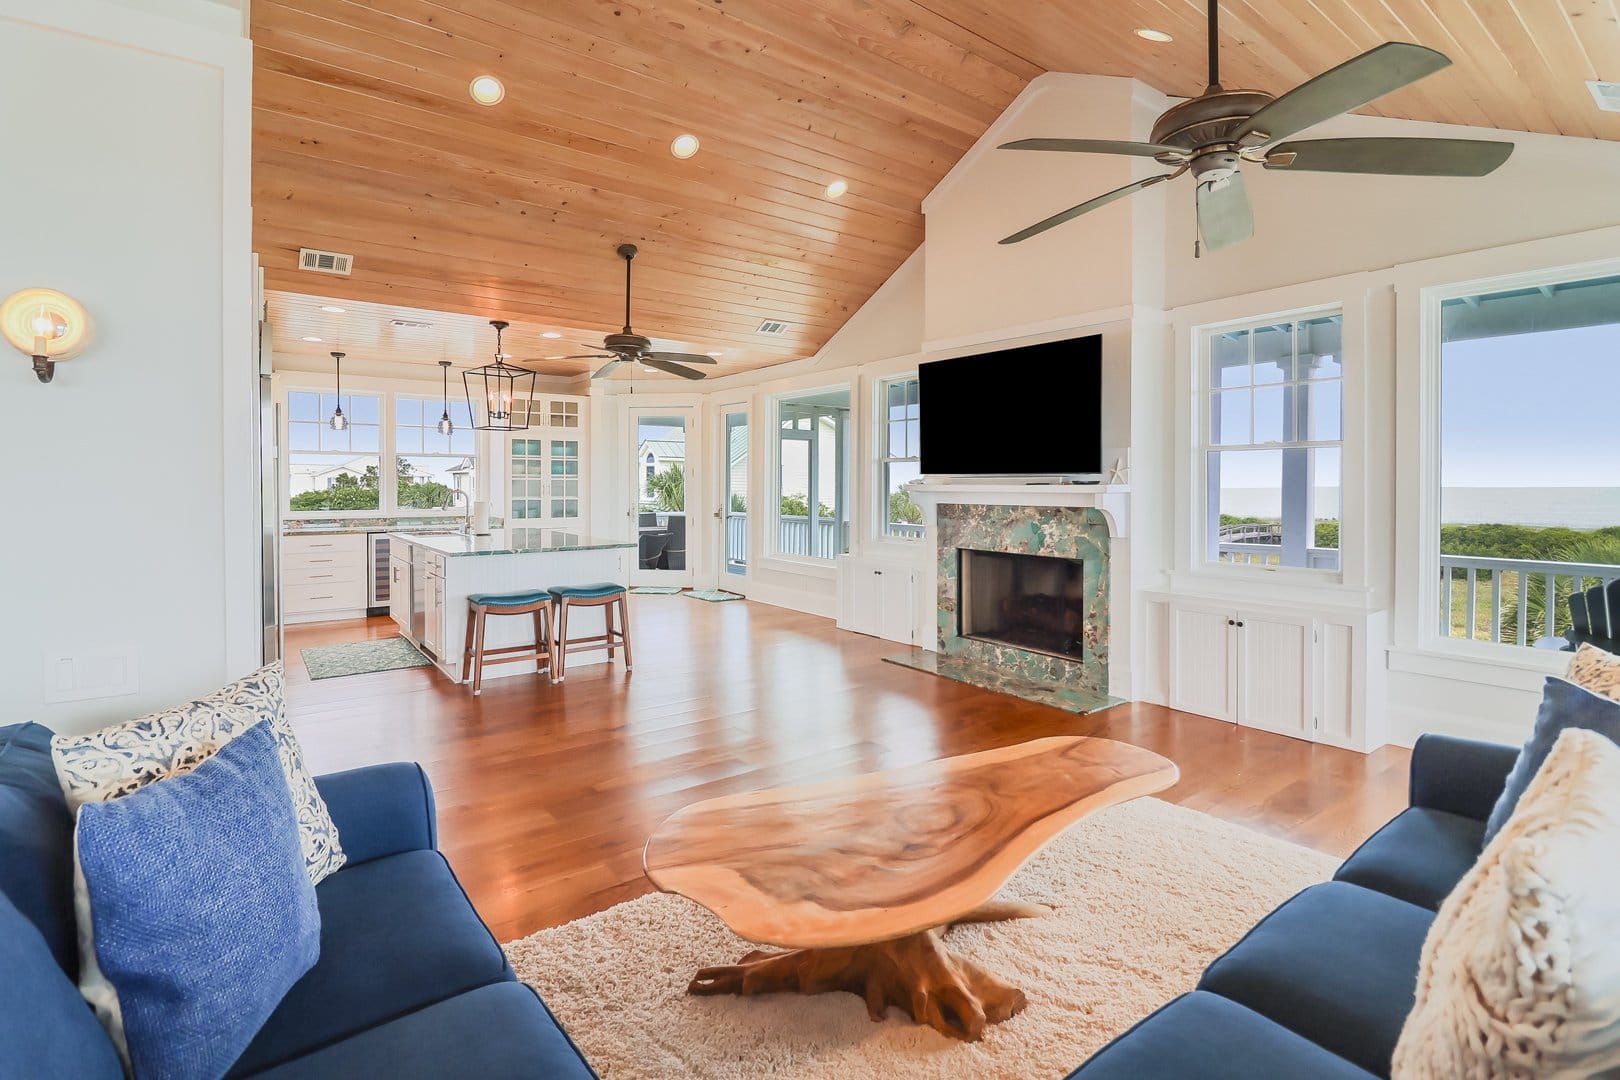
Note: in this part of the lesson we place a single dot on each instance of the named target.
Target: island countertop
(511, 542)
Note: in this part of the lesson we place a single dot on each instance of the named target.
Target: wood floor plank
(547, 794)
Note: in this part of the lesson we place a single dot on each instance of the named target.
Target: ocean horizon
(1568, 507)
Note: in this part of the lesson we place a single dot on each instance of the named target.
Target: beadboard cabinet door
(1203, 665)
(1276, 663)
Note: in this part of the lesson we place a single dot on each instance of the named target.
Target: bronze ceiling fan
(1211, 134)
(629, 347)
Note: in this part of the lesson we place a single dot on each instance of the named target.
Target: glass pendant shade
(338, 421)
(446, 427)
(498, 394)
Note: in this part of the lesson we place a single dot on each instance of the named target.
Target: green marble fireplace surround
(1064, 532)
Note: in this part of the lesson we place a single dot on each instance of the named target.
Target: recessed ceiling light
(654, 370)
(684, 146)
(837, 188)
(717, 352)
(1147, 34)
(333, 308)
(315, 339)
(487, 90)
(551, 334)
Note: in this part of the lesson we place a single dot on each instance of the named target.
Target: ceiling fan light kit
(1215, 133)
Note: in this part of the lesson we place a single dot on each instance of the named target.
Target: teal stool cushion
(587, 592)
(517, 599)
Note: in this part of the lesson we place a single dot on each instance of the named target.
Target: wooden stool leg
(607, 628)
(539, 639)
(624, 628)
(560, 670)
(479, 644)
(467, 652)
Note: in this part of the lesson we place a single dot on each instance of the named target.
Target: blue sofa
(1321, 987)
(410, 983)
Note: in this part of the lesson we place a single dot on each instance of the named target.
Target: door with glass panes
(546, 467)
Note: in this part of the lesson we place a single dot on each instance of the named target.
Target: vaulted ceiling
(367, 142)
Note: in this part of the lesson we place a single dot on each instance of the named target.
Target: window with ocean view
(1529, 517)
(1272, 442)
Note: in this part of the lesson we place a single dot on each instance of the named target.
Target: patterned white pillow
(1519, 975)
(1595, 670)
(120, 759)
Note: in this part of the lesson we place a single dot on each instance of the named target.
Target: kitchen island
(433, 575)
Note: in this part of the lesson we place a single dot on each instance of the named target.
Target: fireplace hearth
(1032, 602)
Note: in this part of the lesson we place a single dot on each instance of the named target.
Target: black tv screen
(1033, 410)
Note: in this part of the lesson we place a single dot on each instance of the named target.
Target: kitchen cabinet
(399, 586)
(323, 577)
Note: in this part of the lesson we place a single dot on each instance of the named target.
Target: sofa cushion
(1596, 670)
(397, 934)
(200, 906)
(499, 1032)
(1337, 964)
(47, 1032)
(1418, 857)
(1207, 1036)
(36, 840)
(1563, 706)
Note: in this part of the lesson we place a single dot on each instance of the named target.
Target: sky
(1532, 410)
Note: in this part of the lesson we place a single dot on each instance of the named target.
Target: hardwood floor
(546, 794)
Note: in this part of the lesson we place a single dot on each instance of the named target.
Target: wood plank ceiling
(366, 141)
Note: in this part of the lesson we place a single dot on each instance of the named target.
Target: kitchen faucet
(449, 501)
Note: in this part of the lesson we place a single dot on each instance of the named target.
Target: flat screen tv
(1031, 411)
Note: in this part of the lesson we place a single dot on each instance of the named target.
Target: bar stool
(603, 595)
(538, 603)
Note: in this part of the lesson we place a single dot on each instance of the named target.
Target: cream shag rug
(1146, 895)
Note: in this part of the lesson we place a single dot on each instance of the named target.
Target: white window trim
(772, 556)
(1427, 299)
(1198, 428)
(878, 505)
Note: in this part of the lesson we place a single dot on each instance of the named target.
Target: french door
(734, 491)
(661, 477)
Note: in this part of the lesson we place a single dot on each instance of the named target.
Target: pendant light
(445, 426)
(339, 422)
(503, 392)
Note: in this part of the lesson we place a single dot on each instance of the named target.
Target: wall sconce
(46, 326)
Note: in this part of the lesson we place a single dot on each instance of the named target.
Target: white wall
(126, 186)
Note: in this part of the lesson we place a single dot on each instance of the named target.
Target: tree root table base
(916, 974)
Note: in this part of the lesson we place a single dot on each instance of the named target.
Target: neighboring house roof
(663, 449)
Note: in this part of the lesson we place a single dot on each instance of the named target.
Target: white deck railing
(1471, 585)
(792, 538)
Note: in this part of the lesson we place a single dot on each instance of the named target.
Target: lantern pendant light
(445, 426)
(503, 393)
(338, 422)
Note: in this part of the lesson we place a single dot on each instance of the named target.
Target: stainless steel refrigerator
(269, 500)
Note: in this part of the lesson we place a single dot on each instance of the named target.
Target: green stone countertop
(512, 542)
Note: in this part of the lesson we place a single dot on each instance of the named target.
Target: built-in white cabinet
(323, 577)
(399, 586)
(1297, 672)
(879, 597)
(433, 610)
(546, 465)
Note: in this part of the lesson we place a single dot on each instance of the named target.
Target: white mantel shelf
(1112, 499)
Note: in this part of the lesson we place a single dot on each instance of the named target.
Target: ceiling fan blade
(1095, 146)
(674, 369)
(1351, 85)
(1391, 157)
(1224, 215)
(581, 356)
(1090, 204)
(683, 357)
(606, 369)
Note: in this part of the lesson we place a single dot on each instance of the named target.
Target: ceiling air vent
(772, 328)
(325, 262)
(1606, 94)
(409, 324)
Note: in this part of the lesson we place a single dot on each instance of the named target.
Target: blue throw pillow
(1563, 705)
(200, 909)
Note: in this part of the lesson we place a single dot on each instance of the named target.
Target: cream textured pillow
(118, 760)
(1520, 975)
(1595, 670)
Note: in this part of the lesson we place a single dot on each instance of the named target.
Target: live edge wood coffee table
(857, 879)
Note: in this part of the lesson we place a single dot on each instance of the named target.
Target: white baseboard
(824, 606)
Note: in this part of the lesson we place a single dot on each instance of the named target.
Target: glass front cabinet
(546, 466)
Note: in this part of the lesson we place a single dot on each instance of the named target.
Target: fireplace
(1032, 602)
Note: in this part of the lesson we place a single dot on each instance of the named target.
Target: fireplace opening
(1034, 602)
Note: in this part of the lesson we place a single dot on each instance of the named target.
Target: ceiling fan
(629, 347)
(1211, 134)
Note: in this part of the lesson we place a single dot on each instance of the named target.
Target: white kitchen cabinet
(323, 577)
(433, 615)
(399, 587)
(879, 597)
(546, 465)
